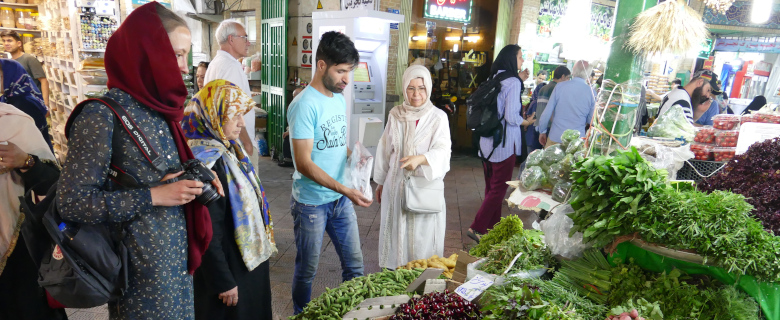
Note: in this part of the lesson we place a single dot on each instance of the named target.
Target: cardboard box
(261, 123)
(418, 285)
(377, 308)
(461, 267)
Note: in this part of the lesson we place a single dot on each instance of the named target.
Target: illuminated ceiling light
(761, 11)
(452, 38)
(574, 37)
(418, 38)
(472, 38)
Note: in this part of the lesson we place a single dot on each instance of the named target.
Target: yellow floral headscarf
(211, 107)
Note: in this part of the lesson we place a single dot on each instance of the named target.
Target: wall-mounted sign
(601, 21)
(452, 10)
(357, 4)
(552, 12)
(763, 45)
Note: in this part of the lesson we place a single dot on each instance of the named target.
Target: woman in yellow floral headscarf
(236, 262)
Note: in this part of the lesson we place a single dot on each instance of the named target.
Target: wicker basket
(698, 170)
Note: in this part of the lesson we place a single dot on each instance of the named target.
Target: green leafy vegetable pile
(719, 226)
(535, 254)
(334, 303)
(642, 309)
(523, 301)
(608, 193)
(502, 231)
(589, 276)
(679, 296)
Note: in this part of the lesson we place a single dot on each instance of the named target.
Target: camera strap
(126, 123)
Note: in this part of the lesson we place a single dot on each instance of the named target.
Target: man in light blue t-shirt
(320, 201)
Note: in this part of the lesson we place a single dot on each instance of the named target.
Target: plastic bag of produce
(568, 162)
(575, 146)
(472, 271)
(557, 173)
(532, 178)
(556, 234)
(579, 156)
(360, 164)
(534, 158)
(553, 154)
(673, 124)
(570, 135)
(560, 190)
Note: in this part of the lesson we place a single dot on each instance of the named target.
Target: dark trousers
(496, 176)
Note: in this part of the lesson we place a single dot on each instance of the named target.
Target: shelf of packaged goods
(93, 50)
(56, 34)
(21, 5)
(20, 30)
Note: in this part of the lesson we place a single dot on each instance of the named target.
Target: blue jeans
(310, 223)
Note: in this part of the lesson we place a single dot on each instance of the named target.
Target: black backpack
(89, 269)
(482, 116)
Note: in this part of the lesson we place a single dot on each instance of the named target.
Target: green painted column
(622, 65)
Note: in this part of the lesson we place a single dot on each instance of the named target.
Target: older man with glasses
(233, 45)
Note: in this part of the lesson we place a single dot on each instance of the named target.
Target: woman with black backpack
(164, 230)
(499, 158)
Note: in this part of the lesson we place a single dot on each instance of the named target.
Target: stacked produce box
(719, 142)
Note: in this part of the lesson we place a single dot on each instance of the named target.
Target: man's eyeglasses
(246, 38)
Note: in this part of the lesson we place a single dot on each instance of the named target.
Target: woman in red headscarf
(165, 231)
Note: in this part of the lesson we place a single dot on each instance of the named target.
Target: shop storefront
(455, 40)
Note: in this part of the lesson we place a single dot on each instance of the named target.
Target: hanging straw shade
(671, 26)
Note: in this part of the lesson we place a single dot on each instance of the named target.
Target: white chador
(422, 130)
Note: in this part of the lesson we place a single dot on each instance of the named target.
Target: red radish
(634, 313)
(625, 317)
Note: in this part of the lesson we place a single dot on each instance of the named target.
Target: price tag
(474, 287)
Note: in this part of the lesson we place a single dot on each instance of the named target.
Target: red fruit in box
(725, 121)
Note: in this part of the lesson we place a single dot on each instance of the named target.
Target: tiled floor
(464, 187)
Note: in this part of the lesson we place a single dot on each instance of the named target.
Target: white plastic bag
(472, 271)
(556, 234)
(360, 165)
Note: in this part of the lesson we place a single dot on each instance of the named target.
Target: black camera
(194, 169)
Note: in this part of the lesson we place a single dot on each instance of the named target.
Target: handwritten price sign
(473, 288)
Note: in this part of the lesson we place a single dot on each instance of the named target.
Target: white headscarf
(409, 114)
(18, 128)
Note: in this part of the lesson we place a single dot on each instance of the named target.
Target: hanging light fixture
(761, 11)
(720, 6)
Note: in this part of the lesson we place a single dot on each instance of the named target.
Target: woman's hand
(11, 156)
(217, 184)
(230, 297)
(543, 139)
(379, 194)
(177, 193)
(412, 162)
(525, 74)
(529, 120)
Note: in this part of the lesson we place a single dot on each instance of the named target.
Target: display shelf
(20, 30)
(63, 27)
(20, 5)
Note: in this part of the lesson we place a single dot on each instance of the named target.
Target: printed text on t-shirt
(334, 133)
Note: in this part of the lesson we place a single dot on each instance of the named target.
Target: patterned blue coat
(160, 287)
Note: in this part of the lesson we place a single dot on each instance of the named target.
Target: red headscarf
(140, 61)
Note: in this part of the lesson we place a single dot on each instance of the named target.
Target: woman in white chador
(416, 141)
